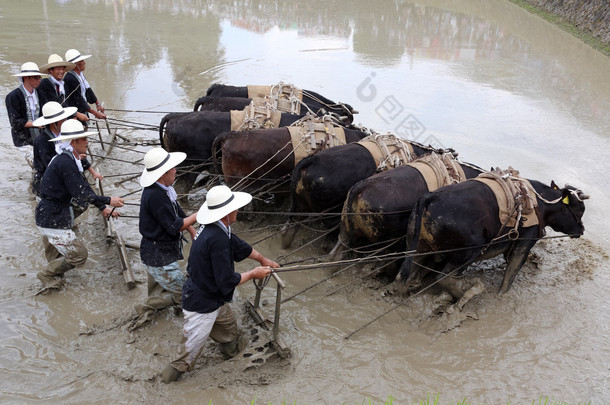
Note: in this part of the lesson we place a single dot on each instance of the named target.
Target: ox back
(212, 103)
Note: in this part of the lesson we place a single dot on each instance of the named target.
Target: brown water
(500, 86)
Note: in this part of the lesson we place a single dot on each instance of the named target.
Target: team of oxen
(382, 189)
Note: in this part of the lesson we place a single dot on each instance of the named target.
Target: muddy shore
(591, 17)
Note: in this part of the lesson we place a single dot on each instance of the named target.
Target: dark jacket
(160, 223)
(44, 151)
(48, 91)
(74, 95)
(211, 269)
(61, 183)
(18, 116)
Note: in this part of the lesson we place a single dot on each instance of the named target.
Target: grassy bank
(567, 26)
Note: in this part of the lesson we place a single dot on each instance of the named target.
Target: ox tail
(413, 231)
(213, 88)
(217, 151)
(164, 121)
(199, 103)
(291, 227)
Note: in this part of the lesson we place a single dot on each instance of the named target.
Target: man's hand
(269, 263)
(99, 115)
(107, 212)
(117, 202)
(260, 272)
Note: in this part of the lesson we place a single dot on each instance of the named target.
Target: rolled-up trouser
(28, 154)
(65, 243)
(220, 325)
(164, 287)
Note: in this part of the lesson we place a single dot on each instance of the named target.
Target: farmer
(53, 116)
(162, 221)
(77, 87)
(53, 87)
(61, 183)
(212, 280)
(23, 107)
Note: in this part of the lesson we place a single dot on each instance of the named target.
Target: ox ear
(565, 194)
(554, 186)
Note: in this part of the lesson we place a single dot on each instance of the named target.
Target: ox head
(568, 218)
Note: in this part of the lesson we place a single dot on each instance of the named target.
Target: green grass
(435, 400)
(567, 26)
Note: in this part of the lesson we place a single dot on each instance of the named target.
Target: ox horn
(583, 196)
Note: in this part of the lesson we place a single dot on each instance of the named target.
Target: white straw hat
(220, 202)
(72, 55)
(53, 112)
(54, 61)
(157, 161)
(72, 129)
(29, 69)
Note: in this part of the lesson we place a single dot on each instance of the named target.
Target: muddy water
(500, 86)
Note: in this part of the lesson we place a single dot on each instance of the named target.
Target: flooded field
(500, 86)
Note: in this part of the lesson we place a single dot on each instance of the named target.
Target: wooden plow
(261, 318)
(111, 232)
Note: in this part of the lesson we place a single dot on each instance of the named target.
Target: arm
(94, 173)
(261, 271)
(255, 255)
(15, 106)
(255, 273)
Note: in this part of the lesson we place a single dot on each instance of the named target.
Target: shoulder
(14, 95)
(70, 77)
(153, 192)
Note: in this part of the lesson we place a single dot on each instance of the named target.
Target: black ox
(461, 224)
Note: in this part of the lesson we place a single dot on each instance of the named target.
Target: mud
(490, 80)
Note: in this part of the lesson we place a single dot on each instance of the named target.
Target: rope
(143, 111)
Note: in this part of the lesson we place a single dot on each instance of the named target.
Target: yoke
(259, 114)
(283, 97)
(389, 150)
(516, 201)
(439, 170)
(312, 134)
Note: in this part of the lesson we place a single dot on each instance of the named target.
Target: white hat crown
(157, 162)
(52, 112)
(54, 61)
(220, 201)
(72, 129)
(29, 69)
(73, 55)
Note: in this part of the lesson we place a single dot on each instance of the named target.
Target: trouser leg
(226, 333)
(50, 252)
(197, 328)
(164, 288)
(71, 250)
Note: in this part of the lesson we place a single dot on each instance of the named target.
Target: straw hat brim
(81, 57)
(83, 134)
(149, 177)
(42, 121)
(45, 68)
(27, 74)
(207, 216)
